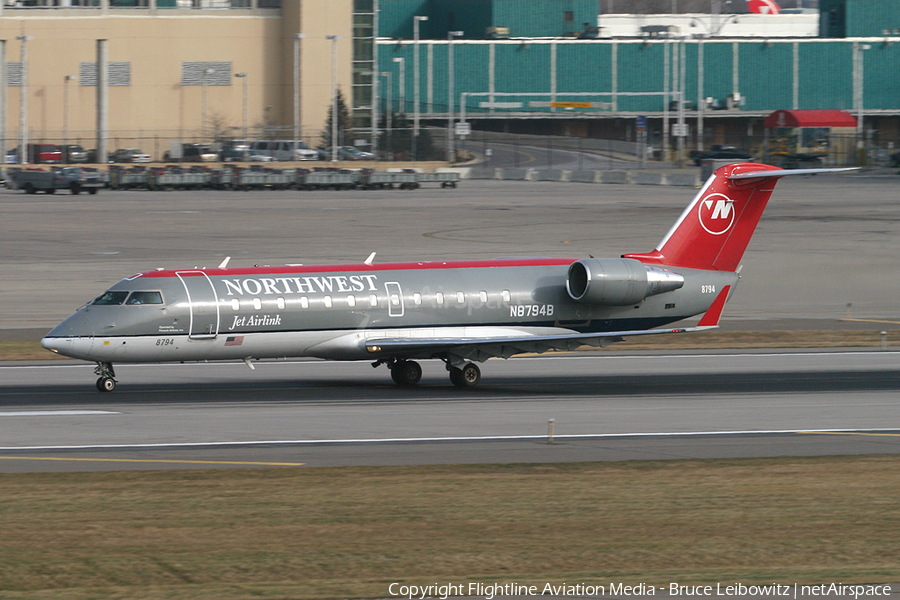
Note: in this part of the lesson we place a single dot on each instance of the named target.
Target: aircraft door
(204, 304)
(395, 299)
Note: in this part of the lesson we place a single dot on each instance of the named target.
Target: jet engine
(618, 281)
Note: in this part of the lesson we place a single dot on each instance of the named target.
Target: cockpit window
(110, 298)
(144, 298)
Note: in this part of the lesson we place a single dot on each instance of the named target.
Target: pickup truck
(74, 179)
(720, 151)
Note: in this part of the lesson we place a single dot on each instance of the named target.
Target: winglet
(711, 318)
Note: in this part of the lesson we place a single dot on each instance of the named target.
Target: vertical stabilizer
(714, 230)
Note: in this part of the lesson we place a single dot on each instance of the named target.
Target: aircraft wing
(481, 349)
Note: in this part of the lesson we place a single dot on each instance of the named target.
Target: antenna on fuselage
(371, 259)
(225, 262)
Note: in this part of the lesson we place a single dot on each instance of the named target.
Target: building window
(569, 16)
(118, 73)
(193, 72)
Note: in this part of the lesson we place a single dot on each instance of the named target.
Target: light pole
(415, 136)
(334, 109)
(388, 116)
(297, 38)
(23, 101)
(859, 87)
(450, 36)
(65, 148)
(243, 77)
(206, 73)
(401, 84)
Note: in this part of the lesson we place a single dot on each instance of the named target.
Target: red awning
(826, 117)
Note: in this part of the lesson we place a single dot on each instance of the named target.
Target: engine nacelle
(618, 281)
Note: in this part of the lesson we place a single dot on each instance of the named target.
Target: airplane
(763, 7)
(460, 312)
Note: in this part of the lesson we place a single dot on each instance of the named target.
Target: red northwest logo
(716, 213)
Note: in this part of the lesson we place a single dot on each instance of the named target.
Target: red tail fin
(714, 230)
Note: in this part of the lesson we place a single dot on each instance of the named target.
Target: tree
(343, 124)
(398, 145)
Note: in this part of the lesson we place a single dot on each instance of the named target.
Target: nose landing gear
(107, 381)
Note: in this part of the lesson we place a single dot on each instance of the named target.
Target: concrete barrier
(684, 179)
(646, 177)
(614, 177)
(513, 174)
(584, 176)
(547, 175)
(483, 173)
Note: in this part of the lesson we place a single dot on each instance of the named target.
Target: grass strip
(350, 532)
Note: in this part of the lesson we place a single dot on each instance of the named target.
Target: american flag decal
(236, 340)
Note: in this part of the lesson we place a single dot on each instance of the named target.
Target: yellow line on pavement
(850, 433)
(871, 321)
(142, 460)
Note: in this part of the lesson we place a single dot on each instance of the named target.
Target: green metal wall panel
(826, 75)
(872, 17)
(718, 80)
(395, 18)
(764, 77)
(584, 67)
(640, 69)
(765, 74)
(881, 75)
(544, 18)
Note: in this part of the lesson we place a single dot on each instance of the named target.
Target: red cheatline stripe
(414, 266)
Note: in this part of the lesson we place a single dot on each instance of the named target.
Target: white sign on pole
(680, 129)
(463, 129)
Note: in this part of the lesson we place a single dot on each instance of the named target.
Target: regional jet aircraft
(460, 312)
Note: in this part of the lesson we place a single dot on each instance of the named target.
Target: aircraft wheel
(468, 376)
(106, 384)
(406, 373)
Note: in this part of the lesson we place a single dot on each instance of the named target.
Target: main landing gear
(407, 373)
(107, 381)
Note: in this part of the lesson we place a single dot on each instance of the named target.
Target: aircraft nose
(69, 338)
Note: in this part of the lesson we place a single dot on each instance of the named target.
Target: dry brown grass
(349, 532)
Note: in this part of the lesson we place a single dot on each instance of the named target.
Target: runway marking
(871, 321)
(481, 438)
(863, 433)
(56, 413)
(140, 460)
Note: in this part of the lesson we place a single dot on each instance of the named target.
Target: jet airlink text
(492, 590)
(301, 285)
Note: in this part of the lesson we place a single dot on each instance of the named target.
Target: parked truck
(74, 179)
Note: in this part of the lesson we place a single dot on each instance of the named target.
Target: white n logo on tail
(716, 214)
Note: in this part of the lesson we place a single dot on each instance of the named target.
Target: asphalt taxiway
(315, 413)
(825, 250)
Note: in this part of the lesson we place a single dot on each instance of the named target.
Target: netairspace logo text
(775, 590)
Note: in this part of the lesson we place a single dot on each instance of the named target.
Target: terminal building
(199, 70)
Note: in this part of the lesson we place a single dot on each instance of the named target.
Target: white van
(283, 150)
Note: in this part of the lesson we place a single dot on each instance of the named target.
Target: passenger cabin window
(257, 304)
(279, 302)
(439, 297)
(417, 298)
(351, 301)
(328, 302)
(505, 295)
(373, 300)
(110, 299)
(235, 304)
(460, 297)
(483, 296)
(137, 298)
(304, 302)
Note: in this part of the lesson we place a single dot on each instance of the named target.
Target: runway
(314, 413)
